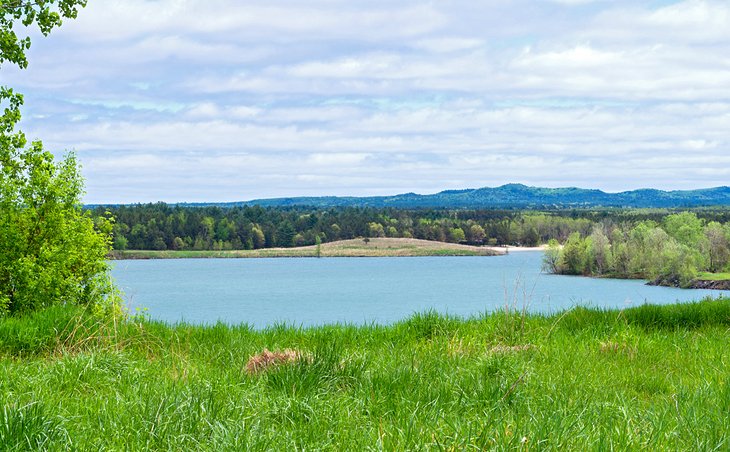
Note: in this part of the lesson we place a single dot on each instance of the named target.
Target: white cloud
(689, 22)
(448, 44)
(118, 20)
(579, 57)
(177, 99)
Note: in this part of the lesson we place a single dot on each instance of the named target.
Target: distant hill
(509, 196)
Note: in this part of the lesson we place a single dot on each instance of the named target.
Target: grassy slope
(377, 247)
(707, 276)
(648, 377)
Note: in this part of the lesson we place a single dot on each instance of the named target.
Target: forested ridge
(510, 196)
(172, 227)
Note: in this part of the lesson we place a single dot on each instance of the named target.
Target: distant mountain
(510, 196)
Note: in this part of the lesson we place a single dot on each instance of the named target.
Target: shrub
(52, 252)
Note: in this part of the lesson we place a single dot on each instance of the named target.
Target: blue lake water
(262, 292)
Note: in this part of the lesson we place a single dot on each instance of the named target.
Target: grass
(375, 247)
(707, 276)
(650, 377)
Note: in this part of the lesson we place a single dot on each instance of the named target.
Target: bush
(52, 252)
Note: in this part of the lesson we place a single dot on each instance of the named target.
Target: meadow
(707, 276)
(649, 377)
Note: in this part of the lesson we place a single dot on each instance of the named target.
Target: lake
(308, 291)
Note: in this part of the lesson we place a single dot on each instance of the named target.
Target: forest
(161, 226)
(672, 251)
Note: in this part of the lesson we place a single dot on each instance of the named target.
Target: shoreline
(517, 249)
(375, 247)
(704, 284)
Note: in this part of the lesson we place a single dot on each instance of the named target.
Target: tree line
(166, 227)
(161, 226)
(671, 251)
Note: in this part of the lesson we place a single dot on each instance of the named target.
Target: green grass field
(653, 378)
(706, 276)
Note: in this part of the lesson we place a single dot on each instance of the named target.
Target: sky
(225, 100)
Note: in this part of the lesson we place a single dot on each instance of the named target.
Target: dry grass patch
(382, 246)
(261, 362)
(458, 348)
(613, 347)
(511, 348)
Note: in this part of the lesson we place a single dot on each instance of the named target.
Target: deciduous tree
(51, 251)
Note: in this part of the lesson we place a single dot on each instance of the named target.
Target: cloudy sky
(223, 100)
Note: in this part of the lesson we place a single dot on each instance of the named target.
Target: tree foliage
(52, 252)
(671, 252)
(152, 226)
(180, 227)
(45, 14)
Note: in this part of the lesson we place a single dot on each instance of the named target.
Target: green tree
(620, 257)
(718, 247)
(51, 251)
(376, 230)
(258, 237)
(575, 255)
(476, 233)
(287, 236)
(552, 257)
(530, 237)
(225, 229)
(207, 228)
(457, 235)
(685, 227)
(678, 264)
(318, 246)
(45, 14)
(335, 231)
(600, 250)
(120, 242)
(178, 243)
(639, 253)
